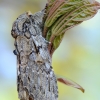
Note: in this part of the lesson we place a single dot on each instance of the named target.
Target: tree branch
(37, 36)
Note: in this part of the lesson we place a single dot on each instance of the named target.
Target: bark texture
(35, 77)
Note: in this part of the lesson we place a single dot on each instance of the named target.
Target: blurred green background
(77, 58)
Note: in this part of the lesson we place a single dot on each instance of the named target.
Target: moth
(35, 76)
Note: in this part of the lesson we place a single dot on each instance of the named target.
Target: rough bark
(35, 77)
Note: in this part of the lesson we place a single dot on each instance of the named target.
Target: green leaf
(62, 15)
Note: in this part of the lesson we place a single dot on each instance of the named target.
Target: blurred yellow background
(77, 58)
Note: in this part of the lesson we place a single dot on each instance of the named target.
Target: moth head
(21, 25)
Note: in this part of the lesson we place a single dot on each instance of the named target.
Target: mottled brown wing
(35, 78)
